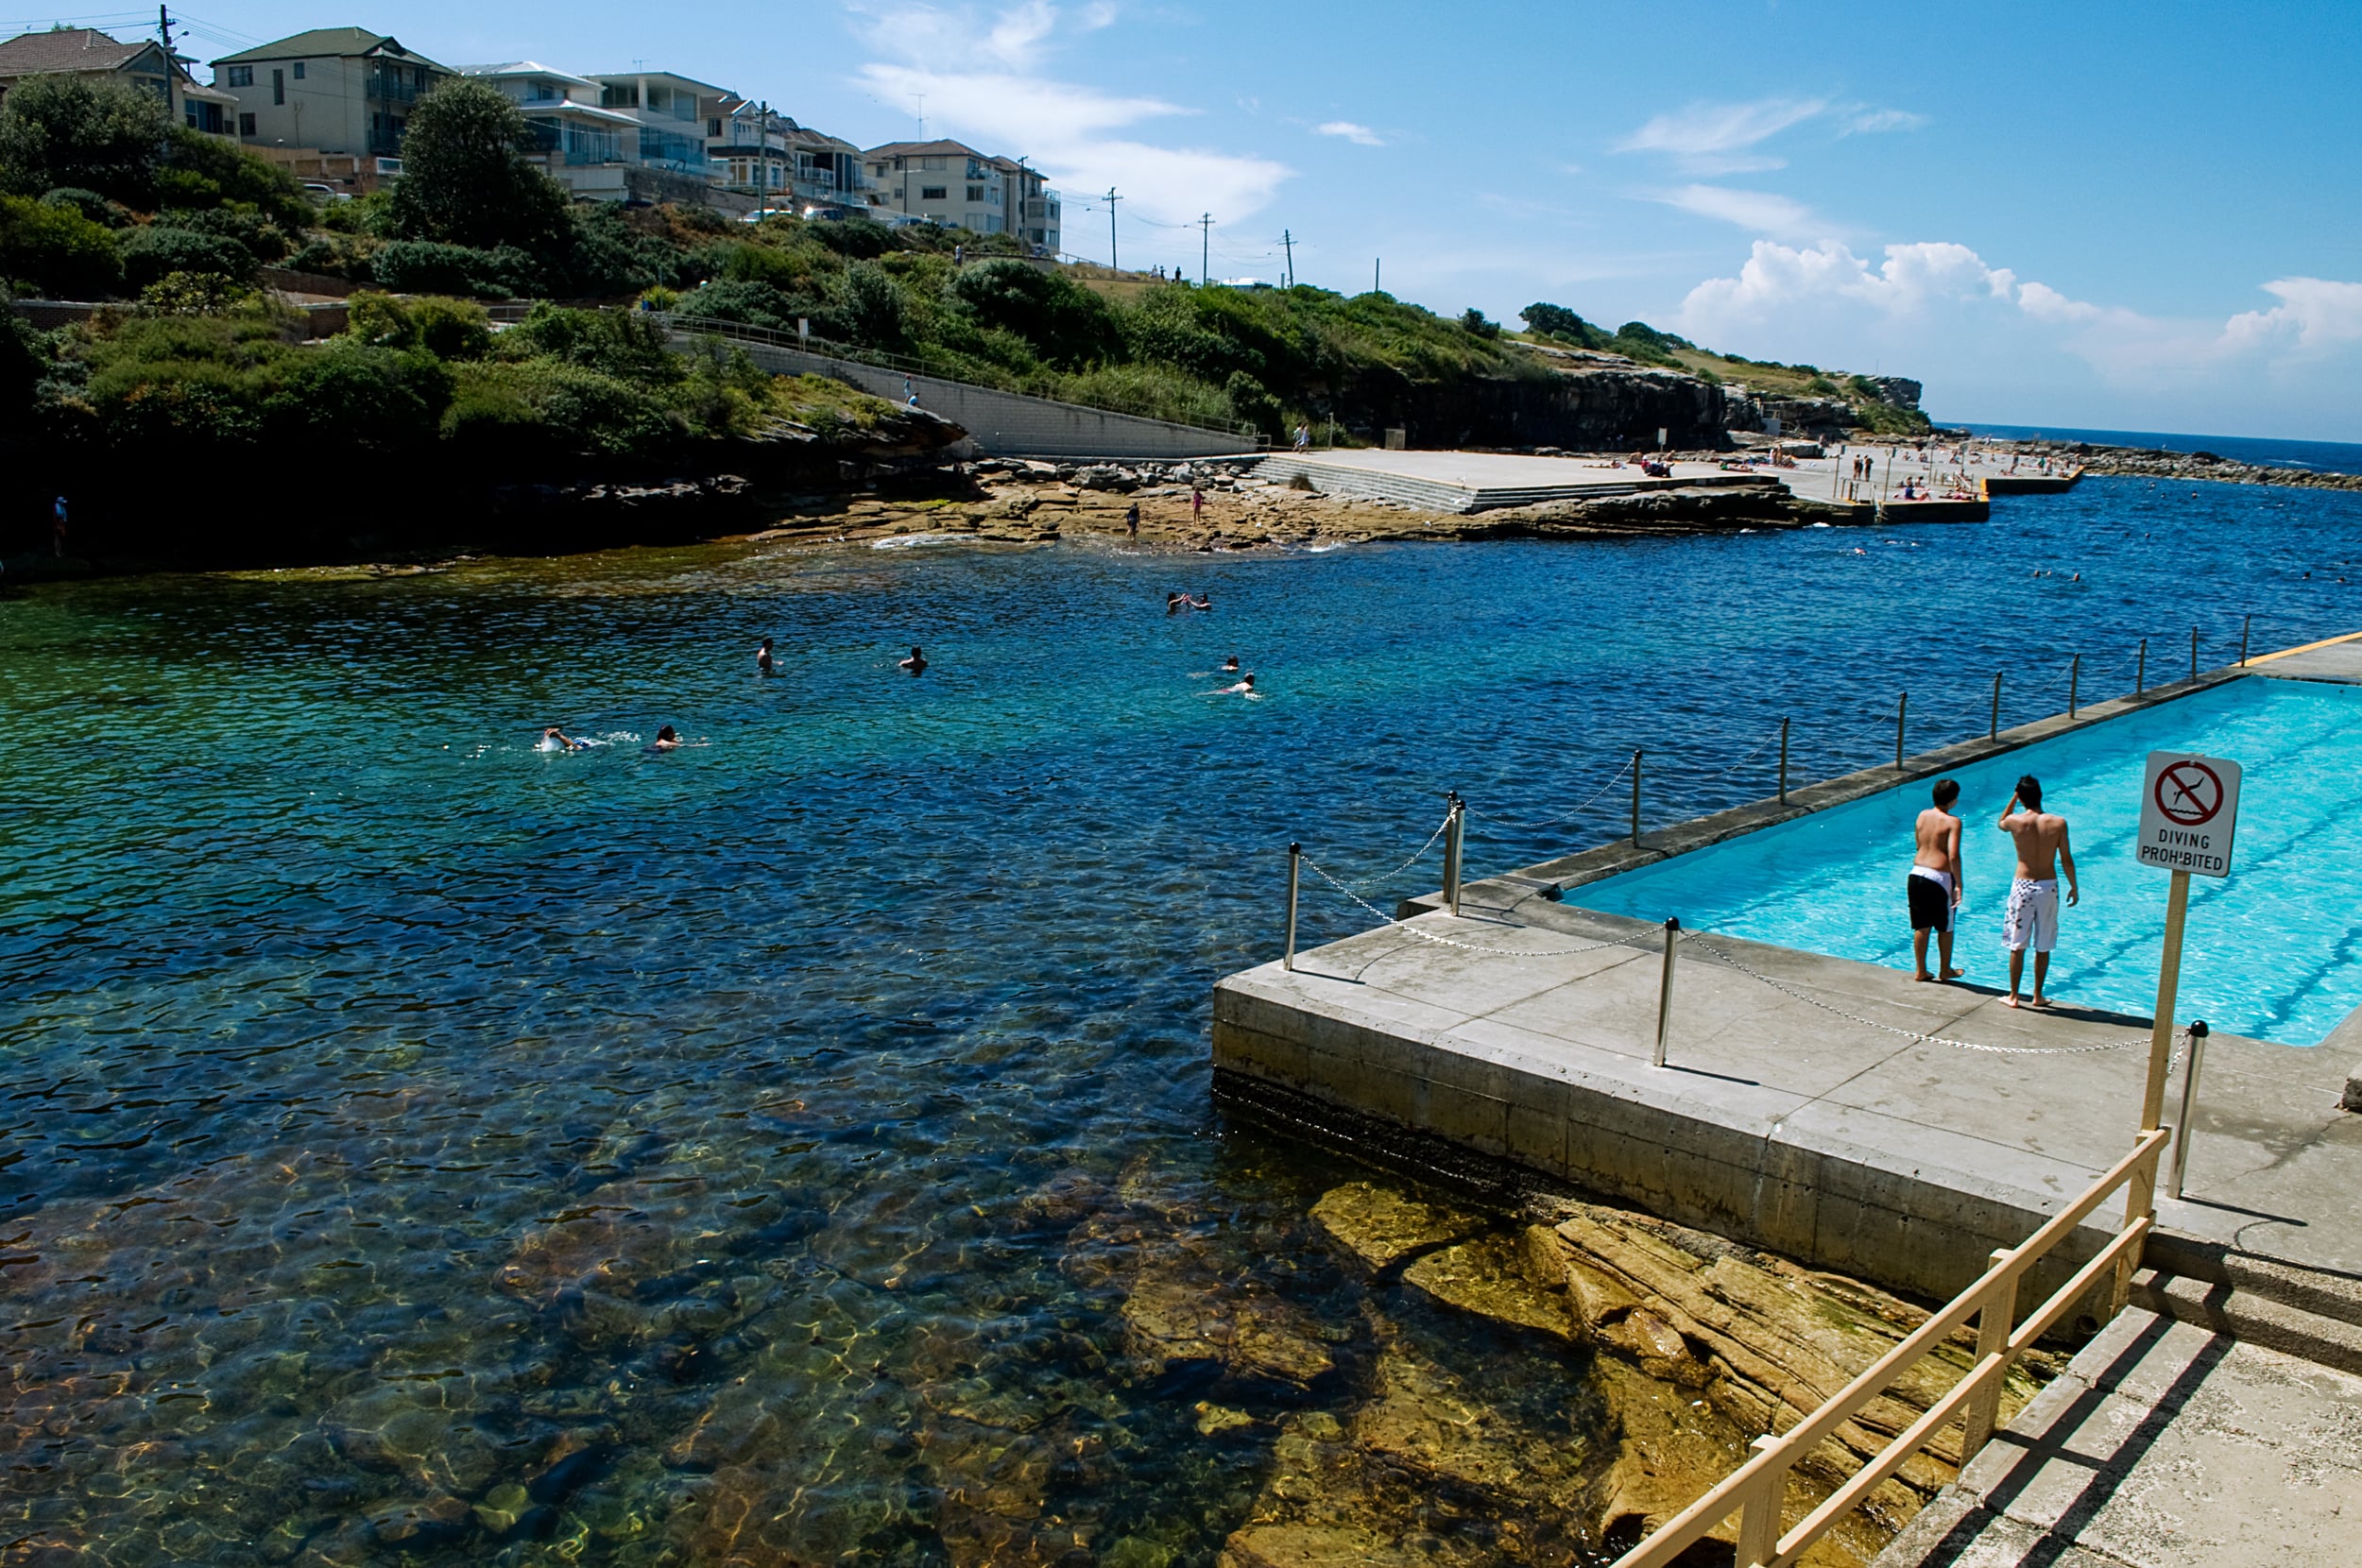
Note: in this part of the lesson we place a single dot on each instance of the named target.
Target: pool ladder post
(1993, 731)
(1902, 706)
(2194, 653)
(1635, 798)
(1664, 988)
(1783, 761)
(2075, 677)
(2189, 1103)
(1295, 866)
(2245, 622)
(1453, 820)
(2140, 671)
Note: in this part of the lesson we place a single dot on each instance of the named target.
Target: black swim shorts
(1931, 904)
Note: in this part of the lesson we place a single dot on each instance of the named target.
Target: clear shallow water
(419, 1144)
(2274, 950)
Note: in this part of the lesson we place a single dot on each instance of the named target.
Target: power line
(1112, 199)
(1204, 244)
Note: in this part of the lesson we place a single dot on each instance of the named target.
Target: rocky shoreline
(2153, 463)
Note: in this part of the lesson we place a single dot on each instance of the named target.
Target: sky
(2106, 215)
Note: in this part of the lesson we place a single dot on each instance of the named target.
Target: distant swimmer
(762, 658)
(1176, 602)
(1245, 686)
(1203, 601)
(2031, 917)
(916, 662)
(554, 738)
(1230, 665)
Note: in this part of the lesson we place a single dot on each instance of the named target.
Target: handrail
(829, 349)
(1758, 1487)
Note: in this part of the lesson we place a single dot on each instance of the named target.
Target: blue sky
(2102, 214)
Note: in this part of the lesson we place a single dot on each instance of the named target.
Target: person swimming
(666, 739)
(1177, 601)
(762, 658)
(1203, 601)
(554, 738)
(1245, 687)
(1230, 665)
(916, 662)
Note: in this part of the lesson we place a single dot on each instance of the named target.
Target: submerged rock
(1382, 1227)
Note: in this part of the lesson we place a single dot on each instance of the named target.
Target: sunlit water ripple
(418, 1144)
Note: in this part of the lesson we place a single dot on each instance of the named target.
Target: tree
(1559, 322)
(464, 178)
(62, 130)
(54, 249)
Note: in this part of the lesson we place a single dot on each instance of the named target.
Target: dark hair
(2029, 790)
(664, 734)
(1947, 791)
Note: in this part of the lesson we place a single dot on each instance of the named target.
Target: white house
(585, 148)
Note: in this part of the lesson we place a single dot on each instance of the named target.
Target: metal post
(1451, 855)
(1993, 730)
(2245, 622)
(1783, 761)
(1664, 988)
(1902, 706)
(1994, 1321)
(2194, 653)
(2074, 676)
(2140, 671)
(1635, 799)
(2189, 1103)
(1295, 866)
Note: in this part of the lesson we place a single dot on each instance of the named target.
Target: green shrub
(447, 328)
(1822, 387)
(62, 130)
(1062, 321)
(96, 208)
(25, 358)
(425, 267)
(53, 250)
(622, 344)
(264, 240)
(151, 253)
(191, 293)
(1473, 322)
(873, 306)
(236, 176)
(551, 404)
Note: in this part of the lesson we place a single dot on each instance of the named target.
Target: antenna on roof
(922, 115)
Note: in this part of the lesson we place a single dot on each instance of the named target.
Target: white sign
(2189, 806)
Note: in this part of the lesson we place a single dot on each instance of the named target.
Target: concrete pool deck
(1798, 1110)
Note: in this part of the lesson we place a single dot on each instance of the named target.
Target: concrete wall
(1005, 425)
(1922, 1229)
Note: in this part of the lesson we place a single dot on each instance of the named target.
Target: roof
(671, 78)
(68, 49)
(326, 44)
(922, 149)
(526, 68)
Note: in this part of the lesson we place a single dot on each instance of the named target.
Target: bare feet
(1954, 974)
(2010, 1001)
(2039, 1001)
(1922, 975)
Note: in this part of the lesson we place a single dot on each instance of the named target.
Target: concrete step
(2325, 1292)
(2224, 1308)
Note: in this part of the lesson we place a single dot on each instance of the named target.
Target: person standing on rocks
(1197, 503)
(1132, 521)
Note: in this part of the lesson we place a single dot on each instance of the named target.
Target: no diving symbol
(2189, 793)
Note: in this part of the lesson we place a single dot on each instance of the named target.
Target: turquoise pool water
(2274, 951)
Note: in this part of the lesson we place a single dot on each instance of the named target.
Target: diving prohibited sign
(2189, 806)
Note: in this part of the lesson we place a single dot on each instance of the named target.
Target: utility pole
(1377, 270)
(164, 30)
(1205, 246)
(1112, 199)
(1289, 242)
(922, 114)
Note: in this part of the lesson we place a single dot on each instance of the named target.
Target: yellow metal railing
(1758, 1490)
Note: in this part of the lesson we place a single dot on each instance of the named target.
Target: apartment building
(142, 65)
(585, 148)
(679, 119)
(343, 90)
(1030, 206)
(953, 184)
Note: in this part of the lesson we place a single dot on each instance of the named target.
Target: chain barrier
(1531, 826)
(1919, 1035)
(1408, 930)
(1414, 860)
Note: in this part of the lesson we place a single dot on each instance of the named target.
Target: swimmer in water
(666, 739)
(1230, 665)
(554, 738)
(1203, 601)
(1176, 602)
(1245, 687)
(762, 658)
(916, 662)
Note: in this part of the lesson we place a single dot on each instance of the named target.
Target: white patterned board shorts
(2031, 917)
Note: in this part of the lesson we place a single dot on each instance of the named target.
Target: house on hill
(341, 91)
(142, 63)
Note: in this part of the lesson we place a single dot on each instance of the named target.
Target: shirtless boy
(2031, 919)
(1936, 884)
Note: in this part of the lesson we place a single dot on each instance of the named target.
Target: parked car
(320, 194)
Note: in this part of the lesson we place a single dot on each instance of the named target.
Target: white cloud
(1778, 278)
(1070, 132)
(1759, 210)
(1869, 122)
(1361, 135)
(1720, 138)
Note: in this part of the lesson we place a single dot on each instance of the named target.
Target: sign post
(2189, 807)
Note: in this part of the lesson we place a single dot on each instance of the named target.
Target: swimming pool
(2274, 952)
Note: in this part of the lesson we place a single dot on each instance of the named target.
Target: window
(298, 69)
(619, 95)
(242, 75)
(246, 124)
(932, 164)
(713, 130)
(932, 193)
(975, 193)
(661, 97)
(278, 87)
